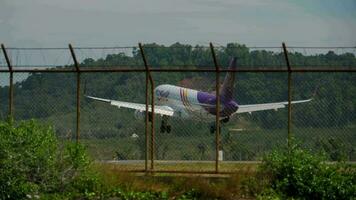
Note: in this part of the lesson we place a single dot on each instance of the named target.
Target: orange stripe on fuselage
(185, 97)
(189, 105)
(181, 96)
(185, 101)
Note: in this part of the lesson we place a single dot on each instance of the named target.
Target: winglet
(98, 99)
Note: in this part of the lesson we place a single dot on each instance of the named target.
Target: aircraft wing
(266, 106)
(162, 110)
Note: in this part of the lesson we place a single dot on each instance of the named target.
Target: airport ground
(197, 152)
(43, 167)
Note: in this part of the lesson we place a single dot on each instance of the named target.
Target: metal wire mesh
(251, 57)
(109, 57)
(3, 64)
(189, 146)
(39, 58)
(112, 134)
(327, 123)
(117, 136)
(49, 98)
(313, 57)
(249, 136)
(4, 95)
(178, 56)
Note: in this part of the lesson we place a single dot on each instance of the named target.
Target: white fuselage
(183, 101)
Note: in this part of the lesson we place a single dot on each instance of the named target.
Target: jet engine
(140, 115)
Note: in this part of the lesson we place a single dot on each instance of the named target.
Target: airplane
(175, 101)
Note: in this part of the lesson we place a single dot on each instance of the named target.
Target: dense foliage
(33, 163)
(297, 173)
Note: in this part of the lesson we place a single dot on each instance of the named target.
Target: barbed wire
(179, 47)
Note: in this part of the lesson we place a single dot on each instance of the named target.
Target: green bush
(297, 173)
(27, 159)
(135, 195)
(34, 165)
(31, 163)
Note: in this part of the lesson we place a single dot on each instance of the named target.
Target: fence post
(11, 82)
(78, 92)
(147, 115)
(217, 116)
(289, 92)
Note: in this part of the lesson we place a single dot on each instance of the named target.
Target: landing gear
(213, 125)
(165, 127)
(213, 129)
(169, 128)
(162, 128)
(225, 120)
(150, 117)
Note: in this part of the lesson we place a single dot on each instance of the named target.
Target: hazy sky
(55, 23)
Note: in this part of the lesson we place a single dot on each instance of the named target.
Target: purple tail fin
(227, 89)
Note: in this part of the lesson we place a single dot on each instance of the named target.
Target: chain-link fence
(100, 97)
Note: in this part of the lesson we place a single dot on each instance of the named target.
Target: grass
(73, 176)
(237, 146)
(208, 166)
(207, 187)
(252, 180)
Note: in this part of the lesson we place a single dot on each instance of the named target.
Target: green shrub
(27, 159)
(297, 173)
(31, 163)
(134, 195)
(269, 194)
(191, 194)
